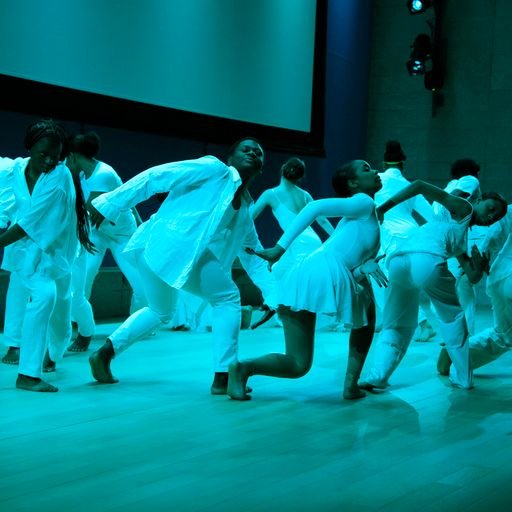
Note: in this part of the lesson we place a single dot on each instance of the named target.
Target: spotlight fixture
(418, 6)
(421, 54)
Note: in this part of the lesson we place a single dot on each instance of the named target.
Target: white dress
(322, 282)
(306, 242)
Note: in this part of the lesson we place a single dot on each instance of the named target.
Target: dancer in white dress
(47, 223)
(286, 201)
(491, 343)
(97, 178)
(191, 243)
(331, 280)
(420, 264)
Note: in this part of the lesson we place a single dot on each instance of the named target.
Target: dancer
(331, 280)
(190, 243)
(48, 220)
(465, 184)
(96, 178)
(490, 344)
(420, 264)
(397, 225)
(286, 201)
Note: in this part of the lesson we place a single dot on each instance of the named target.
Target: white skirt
(321, 284)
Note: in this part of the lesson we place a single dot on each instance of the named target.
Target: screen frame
(42, 99)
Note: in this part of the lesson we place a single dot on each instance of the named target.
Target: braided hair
(49, 129)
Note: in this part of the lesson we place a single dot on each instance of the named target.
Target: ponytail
(82, 217)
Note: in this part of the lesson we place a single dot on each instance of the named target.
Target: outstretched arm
(458, 207)
(262, 202)
(358, 206)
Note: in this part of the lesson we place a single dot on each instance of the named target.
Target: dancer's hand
(96, 217)
(371, 268)
(480, 260)
(271, 255)
(269, 313)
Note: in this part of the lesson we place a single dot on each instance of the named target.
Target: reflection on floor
(158, 441)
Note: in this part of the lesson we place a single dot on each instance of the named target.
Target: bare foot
(368, 386)
(351, 390)
(100, 364)
(426, 332)
(237, 382)
(12, 356)
(353, 393)
(81, 344)
(443, 363)
(33, 384)
(48, 365)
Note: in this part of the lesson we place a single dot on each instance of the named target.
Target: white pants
(408, 275)
(86, 269)
(490, 344)
(465, 292)
(15, 304)
(45, 319)
(381, 297)
(207, 280)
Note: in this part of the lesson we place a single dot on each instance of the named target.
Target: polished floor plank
(159, 441)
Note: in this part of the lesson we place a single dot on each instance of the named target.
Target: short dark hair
(464, 167)
(235, 145)
(87, 144)
(499, 199)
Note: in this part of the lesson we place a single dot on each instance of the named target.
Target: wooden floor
(158, 441)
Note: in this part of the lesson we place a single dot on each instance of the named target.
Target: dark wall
(348, 38)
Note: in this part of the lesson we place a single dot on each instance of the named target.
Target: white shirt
(445, 238)
(48, 217)
(499, 243)
(398, 221)
(105, 179)
(196, 215)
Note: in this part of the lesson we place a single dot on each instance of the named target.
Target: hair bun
(394, 152)
(293, 169)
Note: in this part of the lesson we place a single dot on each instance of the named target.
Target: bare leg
(359, 345)
(299, 334)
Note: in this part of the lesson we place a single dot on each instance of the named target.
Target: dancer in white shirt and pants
(97, 178)
(41, 244)
(491, 343)
(396, 226)
(419, 264)
(190, 243)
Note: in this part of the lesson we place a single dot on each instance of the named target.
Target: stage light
(418, 6)
(420, 58)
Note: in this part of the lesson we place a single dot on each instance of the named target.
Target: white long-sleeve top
(355, 238)
(196, 215)
(499, 244)
(398, 221)
(48, 217)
